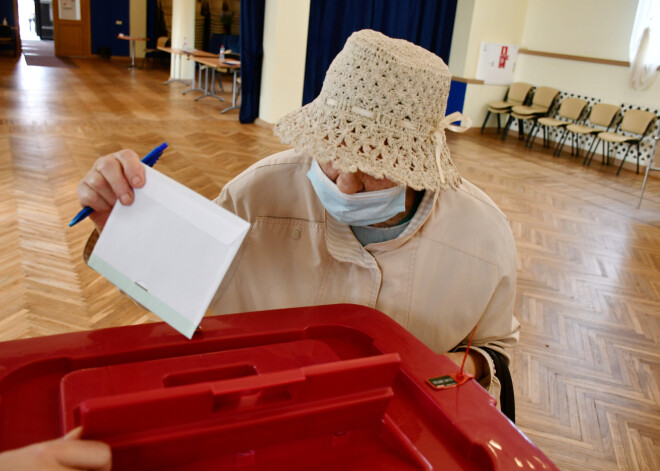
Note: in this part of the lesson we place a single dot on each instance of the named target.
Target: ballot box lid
(324, 388)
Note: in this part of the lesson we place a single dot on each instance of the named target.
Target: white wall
(477, 21)
(499, 21)
(594, 28)
(285, 48)
(591, 28)
(138, 23)
(183, 30)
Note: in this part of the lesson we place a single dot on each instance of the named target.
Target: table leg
(233, 94)
(194, 88)
(133, 66)
(210, 91)
(177, 65)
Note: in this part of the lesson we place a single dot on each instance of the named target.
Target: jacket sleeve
(498, 329)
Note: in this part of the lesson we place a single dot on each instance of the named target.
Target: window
(645, 44)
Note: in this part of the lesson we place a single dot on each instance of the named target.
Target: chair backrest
(603, 114)
(162, 41)
(544, 97)
(518, 92)
(572, 108)
(637, 121)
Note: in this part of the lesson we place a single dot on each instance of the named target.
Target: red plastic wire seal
(456, 379)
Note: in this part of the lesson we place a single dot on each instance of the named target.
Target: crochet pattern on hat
(378, 111)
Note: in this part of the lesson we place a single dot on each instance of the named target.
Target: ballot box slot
(209, 374)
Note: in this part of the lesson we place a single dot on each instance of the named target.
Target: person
(366, 208)
(68, 453)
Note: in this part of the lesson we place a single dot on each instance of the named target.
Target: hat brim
(354, 142)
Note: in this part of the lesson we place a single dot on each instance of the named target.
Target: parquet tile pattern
(587, 369)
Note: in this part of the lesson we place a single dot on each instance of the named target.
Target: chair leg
(624, 159)
(649, 167)
(485, 120)
(499, 127)
(532, 134)
(592, 151)
(564, 133)
(506, 127)
(521, 130)
(560, 144)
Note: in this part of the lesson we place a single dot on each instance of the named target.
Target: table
(198, 57)
(230, 64)
(211, 64)
(133, 40)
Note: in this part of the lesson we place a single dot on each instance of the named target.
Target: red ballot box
(339, 387)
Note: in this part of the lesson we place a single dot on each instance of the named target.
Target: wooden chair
(155, 52)
(570, 111)
(602, 117)
(517, 94)
(542, 103)
(635, 122)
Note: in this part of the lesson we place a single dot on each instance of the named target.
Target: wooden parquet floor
(587, 369)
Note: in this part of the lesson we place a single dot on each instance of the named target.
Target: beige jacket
(453, 267)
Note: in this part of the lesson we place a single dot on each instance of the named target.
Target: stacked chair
(602, 117)
(518, 94)
(636, 124)
(542, 104)
(570, 111)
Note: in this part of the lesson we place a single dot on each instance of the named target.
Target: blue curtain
(427, 23)
(253, 13)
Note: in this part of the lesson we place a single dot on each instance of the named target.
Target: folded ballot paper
(169, 250)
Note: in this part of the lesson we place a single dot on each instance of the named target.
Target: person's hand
(64, 454)
(111, 178)
(474, 363)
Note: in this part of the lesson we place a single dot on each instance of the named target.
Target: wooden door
(72, 28)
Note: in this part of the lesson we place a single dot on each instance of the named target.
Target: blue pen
(150, 159)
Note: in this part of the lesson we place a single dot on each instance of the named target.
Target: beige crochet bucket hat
(381, 110)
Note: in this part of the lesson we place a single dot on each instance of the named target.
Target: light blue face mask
(359, 209)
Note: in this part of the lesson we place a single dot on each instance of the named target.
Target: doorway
(27, 20)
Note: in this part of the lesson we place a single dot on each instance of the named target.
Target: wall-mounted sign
(497, 63)
(69, 9)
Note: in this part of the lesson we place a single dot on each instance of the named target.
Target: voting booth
(339, 387)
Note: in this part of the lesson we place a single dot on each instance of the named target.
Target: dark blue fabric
(456, 97)
(427, 23)
(230, 41)
(253, 13)
(104, 30)
(7, 12)
(152, 23)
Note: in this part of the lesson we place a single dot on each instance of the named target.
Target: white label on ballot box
(169, 250)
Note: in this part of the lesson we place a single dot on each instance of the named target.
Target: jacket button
(295, 234)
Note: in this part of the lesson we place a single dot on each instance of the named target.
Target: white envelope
(169, 250)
